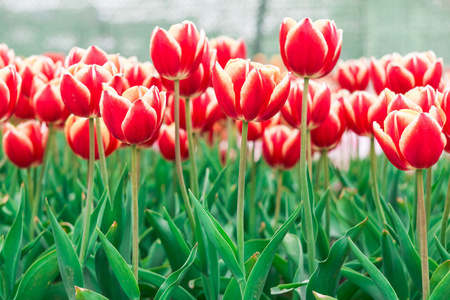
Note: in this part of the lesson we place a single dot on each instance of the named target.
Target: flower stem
(252, 199)
(229, 148)
(326, 185)
(135, 209)
(241, 192)
(428, 195)
(90, 191)
(308, 153)
(276, 214)
(101, 154)
(30, 197)
(422, 227)
(375, 193)
(444, 224)
(304, 181)
(191, 145)
(178, 166)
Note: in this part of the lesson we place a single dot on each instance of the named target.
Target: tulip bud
(24, 145)
(378, 72)
(77, 135)
(228, 48)
(48, 104)
(6, 56)
(281, 147)
(177, 53)
(166, 142)
(10, 82)
(310, 49)
(260, 89)
(134, 117)
(353, 75)
(143, 74)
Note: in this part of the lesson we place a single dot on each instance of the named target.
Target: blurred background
(371, 27)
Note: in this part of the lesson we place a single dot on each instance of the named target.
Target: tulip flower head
(48, 103)
(6, 55)
(10, 82)
(353, 75)
(24, 145)
(377, 71)
(412, 137)
(319, 99)
(250, 91)
(143, 74)
(310, 49)
(228, 48)
(281, 147)
(177, 53)
(76, 130)
(134, 117)
(255, 129)
(166, 142)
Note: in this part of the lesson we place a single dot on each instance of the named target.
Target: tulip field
(205, 174)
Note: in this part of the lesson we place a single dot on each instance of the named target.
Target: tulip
(24, 145)
(90, 56)
(378, 72)
(135, 116)
(353, 75)
(228, 48)
(6, 56)
(48, 103)
(261, 89)
(319, 99)
(310, 49)
(177, 53)
(166, 142)
(421, 99)
(77, 135)
(255, 129)
(281, 147)
(143, 74)
(10, 82)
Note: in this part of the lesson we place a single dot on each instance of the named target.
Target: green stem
(138, 161)
(30, 197)
(326, 186)
(41, 180)
(428, 195)
(135, 209)
(422, 227)
(229, 148)
(276, 214)
(90, 191)
(375, 193)
(252, 199)
(194, 172)
(309, 153)
(101, 154)
(241, 192)
(304, 181)
(444, 223)
(178, 166)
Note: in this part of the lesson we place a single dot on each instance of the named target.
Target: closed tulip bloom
(143, 74)
(281, 147)
(328, 135)
(10, 82)
(319, 99)
(134, 117)
(6, 56)
(444, 101)
(166, 142)
(90, 56)
(362, 109)
(413, 70)
(421, 99)
(310, 49)
(77, 135)
(353, 75)
(24, 145)
(250, 91)
(177, 53)
(48, 103)
(228, 48)
(378, 72)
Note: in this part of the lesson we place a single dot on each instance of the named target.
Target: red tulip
(353, 75)
(24, 145)
(6, 56)
(90, 56)
(77, 136)
(10, 82)
(310, 49)
(150, 142)
(281, 147)
(362, 109)
(143, 74)
(255, 129)
(48, 103)
(421, 99)
(260, 89)
(166, 142)
(228, 48)
(134, 117)
(177, 53)
(319, 100)
(329, 133)
(198, 81)
(444, 103)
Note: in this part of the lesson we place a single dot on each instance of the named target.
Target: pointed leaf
(85, 294)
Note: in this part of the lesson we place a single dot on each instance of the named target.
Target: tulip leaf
(380, 281)
(215, 187)
(439, 274)
(442, 252)
(440, 282)
(157, 280)
(69, 265)
(286, 287)
(233, 290)
(325, 278)
(363, 282)
(120, 268)
(85, 294)
(168, 287)
(322, 297)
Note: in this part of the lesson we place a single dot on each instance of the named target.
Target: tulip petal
(400, 80)
(18, 147)
(75, 95)
(165, 53)
(4, 99)
(224, 90)
(114, 109)
(139, 123)
(433, 74)
(285, 27)
(378, 75)
(94, 55)
(389, 148)
(277, 100)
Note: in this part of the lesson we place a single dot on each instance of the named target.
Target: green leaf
(85, 294)
(69, 265)
(286, 287)
(220, 239)
(120, 268)
(38, 277)
(172, 282)
(442, 289)
(439, 274)
(322, 297)
(325, 278)
(363, 282)
(215, 187)
(380, 281)
(157, 280)
(442, 252)
(233, 290)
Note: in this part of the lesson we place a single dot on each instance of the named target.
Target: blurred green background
(371, 27)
